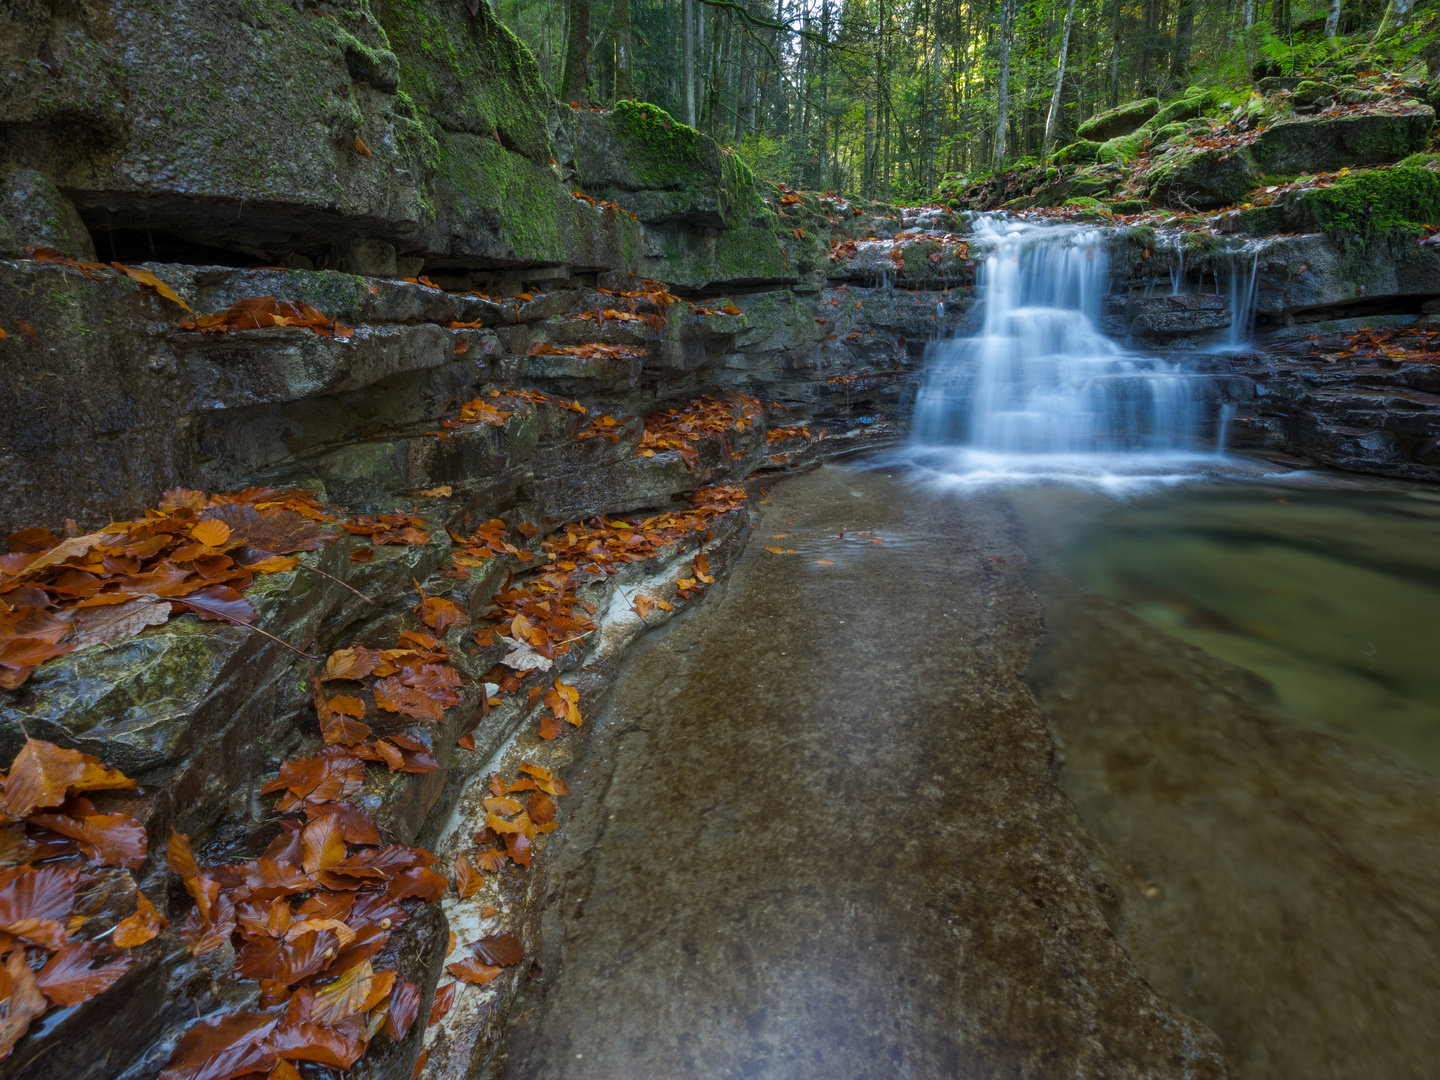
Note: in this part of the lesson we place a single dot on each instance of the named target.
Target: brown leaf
(112, 839)
(343, 997)
(227, 1046)
(491, 860)
(541, 808)
(350, 664)
(35, 904)
(439, 614)
(139, 928)
(404, 1008)
(466, 741)
(467, 879)
(394, 696)
(322, 844)
(501, 949)
(471, 970)
(116, 622)
(72, 976)
(361, 148)
(440, 1005)
(40, 776)
(203, 936)
(23, 1004)
(145, 277)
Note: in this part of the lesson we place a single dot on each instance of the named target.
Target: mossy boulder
(1081, 152)
(1188, 106)
(1361, 210)
(1122, 148)
(1118, 121)
(1304, 144)
(1309, 91)
(1169, 132)
(1196, 179)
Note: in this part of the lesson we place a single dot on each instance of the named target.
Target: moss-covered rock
(36, 212)
(1188, 106)
(1309, 91)
(1081, 152)
(1118, 121)
(1122, 148)
(1198, 179)
(1303, 144)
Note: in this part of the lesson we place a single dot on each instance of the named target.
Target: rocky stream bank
(488, 381)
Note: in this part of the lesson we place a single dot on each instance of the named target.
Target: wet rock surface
(816, 832)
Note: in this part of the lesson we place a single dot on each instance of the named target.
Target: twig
(332, 577)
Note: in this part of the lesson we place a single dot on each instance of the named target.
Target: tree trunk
(1002, 98)
(1184, 37)
(575, 81)
(1053, 118)
(1395, 13)
(1249, 34)
(620, 26)
(1332, 20)
(1115, 55)
(932, 176)
(688, 65)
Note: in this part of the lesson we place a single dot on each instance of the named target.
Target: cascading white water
(1040, 384)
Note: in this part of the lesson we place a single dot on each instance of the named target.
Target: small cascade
(1240, 287)
(1040, 378)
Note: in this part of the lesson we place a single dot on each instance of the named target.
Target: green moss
(1083, 201)
(1199, 242)
(1077, 153)
(1128, 206)
(1371, 206)
(1122, 148)
(1194, 103)
(1140, 236)
(1133, 113)
(664, 151)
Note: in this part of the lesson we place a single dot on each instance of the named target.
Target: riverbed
(923, 788)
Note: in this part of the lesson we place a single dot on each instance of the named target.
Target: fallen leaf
(404, 1008)
(466, 741)
(441, 492)
(440, 1005)
(471, 970)
(823, 562)
(502, 949)
(145, 277)
(72, 975)
(467, 879)
(139, 928)
(361, 148)
(226, 1046)
(23, 1004)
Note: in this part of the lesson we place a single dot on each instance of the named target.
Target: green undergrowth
(1369, 206)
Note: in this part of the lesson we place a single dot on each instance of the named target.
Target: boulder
(1118, 121)
(1174, 316)
(1191, 104)
(1305, 144)
(1081, 152)
(1309, 91)
(1122, 148)
(35, 211)
(1190, 178)
(1276, 84)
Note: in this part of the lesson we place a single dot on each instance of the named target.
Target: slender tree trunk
(575, 82)
(1002, 98)
(1052, 120)
(1184, 38)
(688, 62)
(868, 167)
(932, 176)
(1395, 13)
(1332, 20)
(1249, 34)
(620, 26)
(1115, 54)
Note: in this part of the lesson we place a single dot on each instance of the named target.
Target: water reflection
(1329, 591)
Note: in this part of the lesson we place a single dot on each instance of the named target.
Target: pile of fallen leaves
(603, 427)
(45, 818)
(258, 312)
(600, 316)
(603, 204)
(680, 429)
(197, 553)
(593, 351)
(388, 530)
(306, 918)
(842, 249)
(481, 411)
(414, 679)
(540, 619)
(652, 292)
(1408, 346)
(784, 434)
(478, 411)
(489, 542)
(513, 825)
(728, 309)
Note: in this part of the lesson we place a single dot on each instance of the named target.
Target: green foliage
(1368, 206)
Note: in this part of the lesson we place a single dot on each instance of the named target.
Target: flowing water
(818, 832)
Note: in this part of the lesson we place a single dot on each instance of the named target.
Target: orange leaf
(139, 928)
(350, 664)
(467, 879)
(466, 741)
(473, 971)
(440, 1005)
(361, 148)
(145, 277)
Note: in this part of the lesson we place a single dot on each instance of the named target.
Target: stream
(1058, 743)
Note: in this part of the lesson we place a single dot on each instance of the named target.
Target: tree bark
(932, 176)
(1052, 120)
(1002, 98)
(1332, 20)
(1395, 13)
(575, 79)
(620, 27)
(688, 64)
(1249, 35)
(1184, 38)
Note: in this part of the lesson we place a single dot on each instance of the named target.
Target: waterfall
(1039, 379)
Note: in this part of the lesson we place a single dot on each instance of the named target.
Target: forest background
(886, 98)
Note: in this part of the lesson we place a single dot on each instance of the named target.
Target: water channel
(1063, 744)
